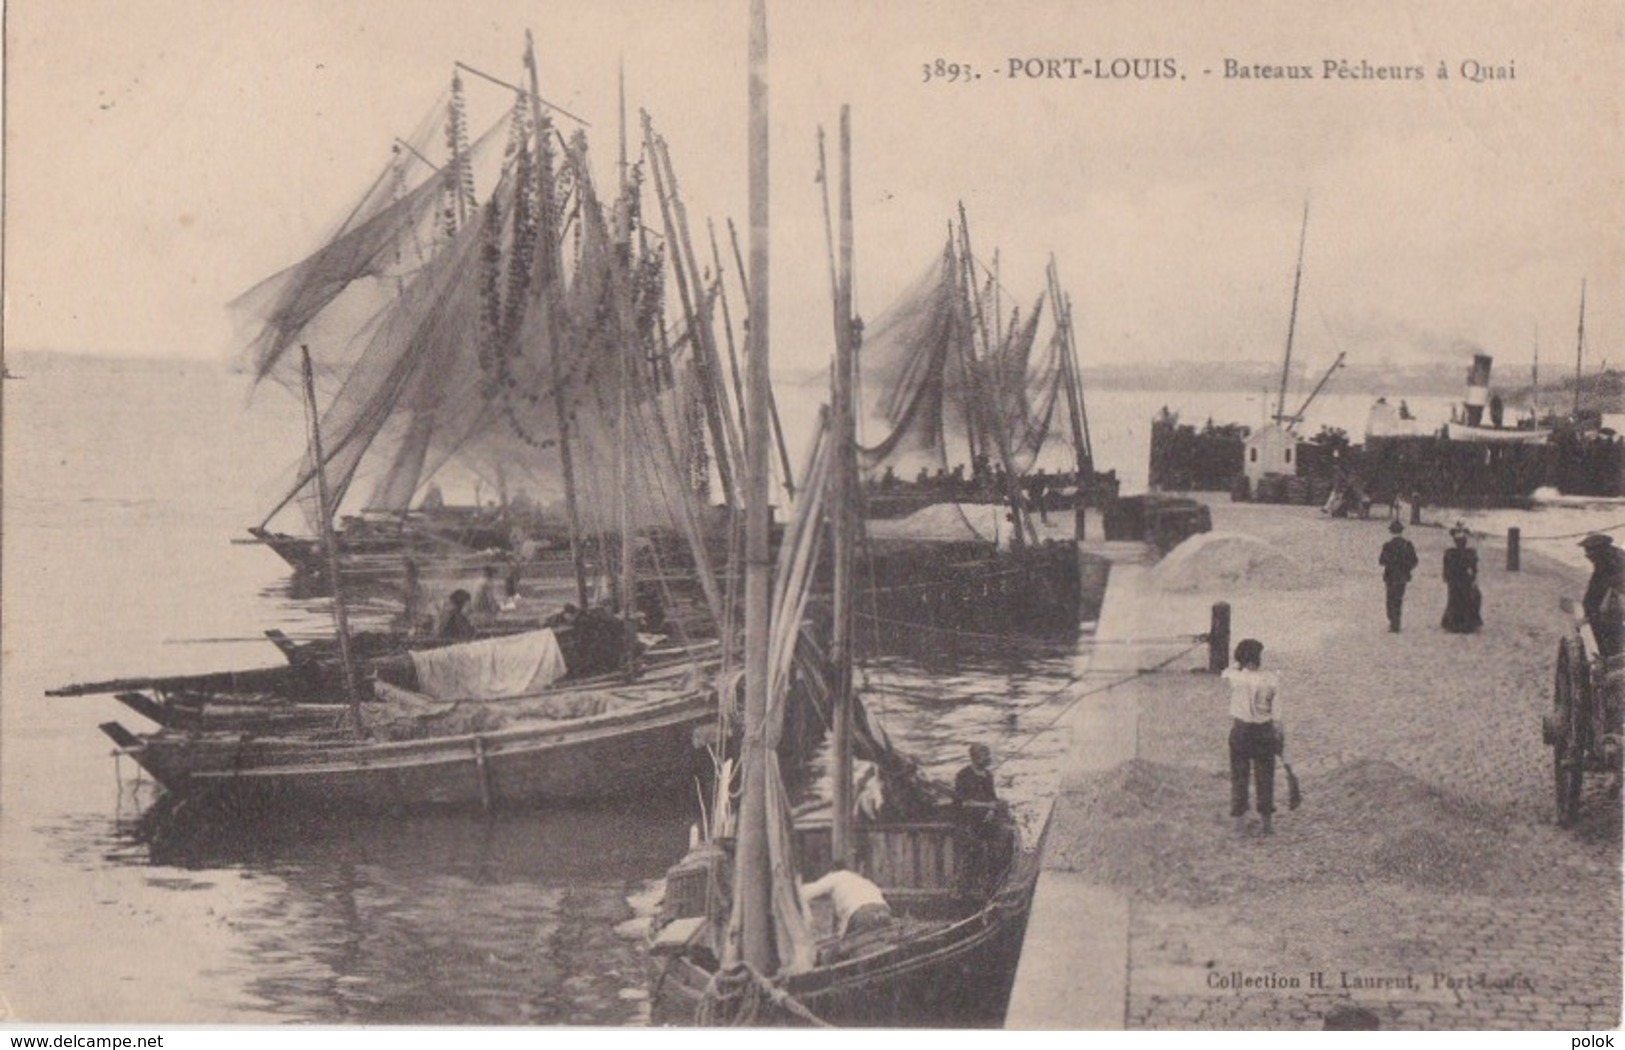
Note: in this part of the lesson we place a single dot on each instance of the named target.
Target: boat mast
(985, 390)
(324, 514)
(772, 402)
(551, 274)
(1292, 319)
(1580, 350)
(754, 893)
(845, 481)
(1534, 378)
(1074, 392)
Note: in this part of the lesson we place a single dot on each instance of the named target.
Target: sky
(163, 156)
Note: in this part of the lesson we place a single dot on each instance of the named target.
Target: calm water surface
(125, 483)
(124, 486)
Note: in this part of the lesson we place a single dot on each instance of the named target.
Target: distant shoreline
(1239, 377)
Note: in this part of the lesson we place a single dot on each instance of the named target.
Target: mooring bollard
(1218, 638)
(1514, 535)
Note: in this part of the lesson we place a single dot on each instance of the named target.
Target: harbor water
(125, 484)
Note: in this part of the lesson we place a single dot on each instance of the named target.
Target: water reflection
(441, 919)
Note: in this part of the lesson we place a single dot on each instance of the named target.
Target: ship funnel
(1478, 389)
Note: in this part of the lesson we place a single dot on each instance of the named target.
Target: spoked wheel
(1567, 732)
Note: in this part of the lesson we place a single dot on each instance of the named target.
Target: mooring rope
(735, 998)
(1133, 676)
(1040, 643)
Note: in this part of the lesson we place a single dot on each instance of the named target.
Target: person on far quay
(1398, 560)
(1463, 611)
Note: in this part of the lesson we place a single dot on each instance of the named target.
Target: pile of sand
(1164, 830)
(947, 521)
(1228, 561)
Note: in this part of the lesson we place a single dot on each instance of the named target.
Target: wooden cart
(1584, 727)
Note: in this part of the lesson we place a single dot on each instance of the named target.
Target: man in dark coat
(1398, 561)
(976, 810)
(1605, 591)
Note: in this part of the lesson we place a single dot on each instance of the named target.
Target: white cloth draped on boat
(492, 669)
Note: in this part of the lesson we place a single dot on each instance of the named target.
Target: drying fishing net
(507, 332)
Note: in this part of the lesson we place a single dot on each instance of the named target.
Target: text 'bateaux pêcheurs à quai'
(1470, 69)
(943, 70)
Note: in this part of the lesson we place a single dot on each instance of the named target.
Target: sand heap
(947, 521)
(1228, 561)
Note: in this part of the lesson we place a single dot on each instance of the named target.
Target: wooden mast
(754, 892)
(1074, 394)
(1292, 319)
(841, 510)
(985, 406)
(551, 275)
(1580, 350)
(324, 514)
(772, 402)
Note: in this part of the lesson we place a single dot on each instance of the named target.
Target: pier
(1423, 879)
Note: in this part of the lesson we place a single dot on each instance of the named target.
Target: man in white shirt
(859, 904)
(1255, 732)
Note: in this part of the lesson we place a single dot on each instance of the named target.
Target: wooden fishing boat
(948, 959)
(311, 694)
(736, 942)
(593, 739)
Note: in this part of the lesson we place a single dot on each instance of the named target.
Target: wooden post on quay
(1514, 538)
(1218, 638)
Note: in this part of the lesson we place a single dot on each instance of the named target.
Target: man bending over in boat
(859, 904)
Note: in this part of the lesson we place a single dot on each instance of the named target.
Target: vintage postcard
(942, 514)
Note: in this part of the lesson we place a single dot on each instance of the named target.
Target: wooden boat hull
(949, 974)
(657, 746)
(947, 586)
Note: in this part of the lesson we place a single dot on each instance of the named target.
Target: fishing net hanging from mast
(941, 375)
(515, 317)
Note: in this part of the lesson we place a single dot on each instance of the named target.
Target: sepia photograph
(623, 516)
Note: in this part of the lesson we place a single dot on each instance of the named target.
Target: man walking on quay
(1398, 561)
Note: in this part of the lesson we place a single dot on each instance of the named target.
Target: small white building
(1270, 450)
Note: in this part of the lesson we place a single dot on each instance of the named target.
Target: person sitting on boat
(510, 587)
(1605, 592)
(859, 905)
(486, 604)
(977, 811)
(454, 623)
(976, 800)
(565, 617)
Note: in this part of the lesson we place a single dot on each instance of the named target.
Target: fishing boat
(498, 348)
(467, 747)
(512, 341)
(959, 380)
(735, 943)
(309, 691)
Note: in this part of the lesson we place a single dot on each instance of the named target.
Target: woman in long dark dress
(1462, 608)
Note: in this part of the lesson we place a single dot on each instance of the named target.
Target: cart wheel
(1568, 750)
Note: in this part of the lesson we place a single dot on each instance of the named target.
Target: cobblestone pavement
(1423, 878)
